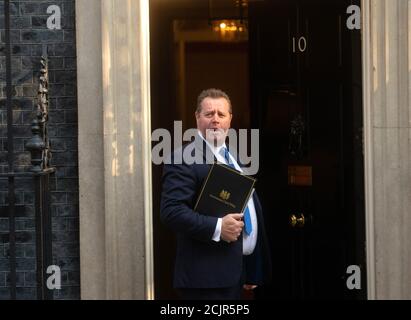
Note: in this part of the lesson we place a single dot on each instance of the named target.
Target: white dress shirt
(249, 241)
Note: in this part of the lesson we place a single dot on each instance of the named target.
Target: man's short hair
(214, 94)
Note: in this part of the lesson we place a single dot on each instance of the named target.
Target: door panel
(302, 61)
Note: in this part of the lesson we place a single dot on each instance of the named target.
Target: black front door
(306, 100)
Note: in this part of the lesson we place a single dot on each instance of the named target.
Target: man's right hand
(231, 227)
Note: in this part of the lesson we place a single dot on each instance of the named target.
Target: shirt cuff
(217, 232)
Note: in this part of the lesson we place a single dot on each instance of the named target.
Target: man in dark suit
(217, 255)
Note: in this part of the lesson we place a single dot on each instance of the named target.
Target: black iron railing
(39, 171)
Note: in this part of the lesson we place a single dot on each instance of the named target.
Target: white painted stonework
(387, 96)
(114, 149)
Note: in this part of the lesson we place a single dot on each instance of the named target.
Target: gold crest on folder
(225, 195)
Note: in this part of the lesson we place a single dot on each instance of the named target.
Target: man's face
(214, 119)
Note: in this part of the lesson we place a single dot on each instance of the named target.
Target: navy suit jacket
(200, 261)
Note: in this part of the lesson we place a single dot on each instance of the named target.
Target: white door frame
(368, 150)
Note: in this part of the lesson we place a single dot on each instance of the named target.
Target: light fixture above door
(228, 17)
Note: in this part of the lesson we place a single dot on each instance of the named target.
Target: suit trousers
(229, 293)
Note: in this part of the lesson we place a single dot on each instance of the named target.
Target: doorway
(298, 80)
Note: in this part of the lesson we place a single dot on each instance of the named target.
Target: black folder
(225, 190)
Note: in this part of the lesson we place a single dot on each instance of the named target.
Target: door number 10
(300, 44)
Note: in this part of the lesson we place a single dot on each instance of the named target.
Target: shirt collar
(216, 150)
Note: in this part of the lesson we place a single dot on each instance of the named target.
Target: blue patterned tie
(247, 218)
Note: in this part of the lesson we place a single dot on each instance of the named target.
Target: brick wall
(29, 32)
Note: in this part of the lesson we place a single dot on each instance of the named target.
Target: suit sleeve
(177, 200)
